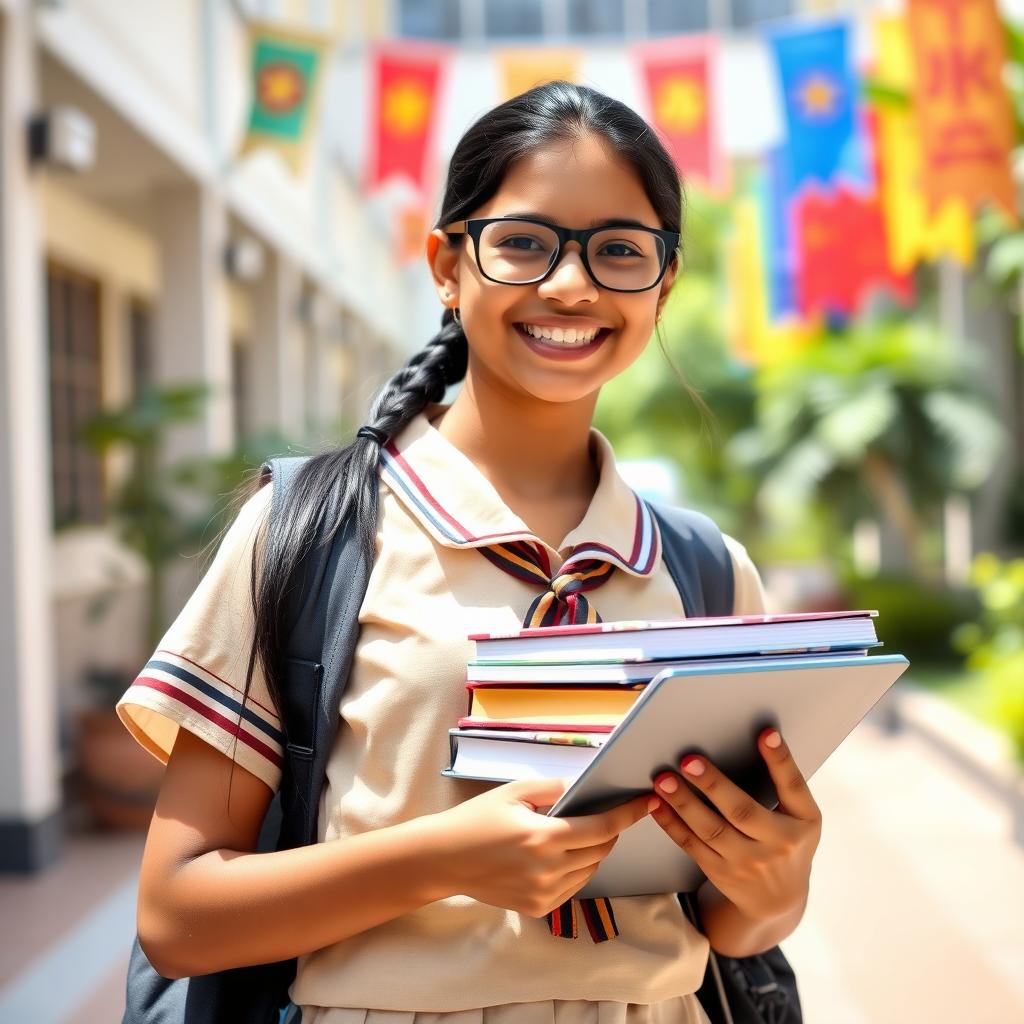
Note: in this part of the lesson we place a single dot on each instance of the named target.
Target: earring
(456, 316)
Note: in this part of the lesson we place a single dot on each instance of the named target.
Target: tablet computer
(717, 711)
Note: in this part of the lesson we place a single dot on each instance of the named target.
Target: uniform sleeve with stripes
(196, 677)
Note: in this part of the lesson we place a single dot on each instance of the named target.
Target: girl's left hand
(760, 860)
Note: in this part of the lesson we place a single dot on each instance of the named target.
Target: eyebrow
(599, 223)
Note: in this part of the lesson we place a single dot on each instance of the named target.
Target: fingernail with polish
(668, 784)
(693, 766)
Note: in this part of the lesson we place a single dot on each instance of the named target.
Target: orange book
(569, 709)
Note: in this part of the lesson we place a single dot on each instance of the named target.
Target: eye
(624, 249)
(521, 242)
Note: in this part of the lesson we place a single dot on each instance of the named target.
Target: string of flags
(855, 194)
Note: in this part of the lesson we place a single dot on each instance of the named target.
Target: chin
(561, 392)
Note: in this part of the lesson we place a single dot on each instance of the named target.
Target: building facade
(166, 259)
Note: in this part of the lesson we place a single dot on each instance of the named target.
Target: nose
(569, 281)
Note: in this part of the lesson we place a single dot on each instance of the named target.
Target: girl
(425, 899)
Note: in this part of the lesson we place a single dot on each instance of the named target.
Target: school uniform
(455, 961)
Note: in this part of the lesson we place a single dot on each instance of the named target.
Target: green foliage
(881, 419)
(995, 643)
(913, 619)
(161, 510)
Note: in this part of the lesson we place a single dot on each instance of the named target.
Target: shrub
(914, 619)
(995, 643)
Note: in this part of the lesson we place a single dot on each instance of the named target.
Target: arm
(205, 900)
(731, 933)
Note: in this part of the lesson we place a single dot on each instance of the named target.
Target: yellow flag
(521, 70)
(913, 231)
(756, 340)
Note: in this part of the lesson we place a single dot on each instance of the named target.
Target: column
(276, 354)
(191, 322)
(31, 826)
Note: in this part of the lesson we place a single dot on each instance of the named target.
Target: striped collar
(456, 504)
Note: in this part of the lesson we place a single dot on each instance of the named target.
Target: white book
(495, 755)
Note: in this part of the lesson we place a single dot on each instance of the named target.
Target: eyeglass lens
(517, 252)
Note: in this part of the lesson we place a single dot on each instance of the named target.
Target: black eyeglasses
(621, 256)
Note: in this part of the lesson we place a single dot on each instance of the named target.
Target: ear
(443, 259)
(666, 283)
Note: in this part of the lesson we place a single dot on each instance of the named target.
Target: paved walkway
(916, 912)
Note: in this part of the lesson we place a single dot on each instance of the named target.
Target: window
(429, 19)
(73, 309)
(748, 13)
(595, 17)
(140, 342)
(667, 16)
(503, 18)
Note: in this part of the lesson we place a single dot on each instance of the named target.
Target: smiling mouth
(562, 343)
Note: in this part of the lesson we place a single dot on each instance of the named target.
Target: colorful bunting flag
(756, 338)
(913, 231)
(521, 70)
(780, 253)
(819, 94)
(843, 255)
(407, 80)
(411, 234)
(680, 75)
(961, 106)
(287, 68)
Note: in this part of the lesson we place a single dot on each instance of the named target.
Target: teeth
(562, 336)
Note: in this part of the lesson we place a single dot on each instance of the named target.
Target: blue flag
(780, 249)
(819, 95)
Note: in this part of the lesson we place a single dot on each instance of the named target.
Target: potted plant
(119, 780)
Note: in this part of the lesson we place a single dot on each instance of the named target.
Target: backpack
(330, 584)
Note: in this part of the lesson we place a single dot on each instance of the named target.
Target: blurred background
(212, 223)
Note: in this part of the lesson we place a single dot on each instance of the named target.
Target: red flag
(843, 253)
(961, 106)
(407, 79)
(680, 78)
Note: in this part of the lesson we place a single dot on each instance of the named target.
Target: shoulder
(241, 535)
(749, 590)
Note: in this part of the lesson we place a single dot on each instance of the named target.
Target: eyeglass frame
(474, 227)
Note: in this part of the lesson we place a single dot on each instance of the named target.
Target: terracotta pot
(117, 779)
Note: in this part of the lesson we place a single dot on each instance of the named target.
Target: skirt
(681, 1010)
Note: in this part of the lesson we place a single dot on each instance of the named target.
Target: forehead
(572, 183)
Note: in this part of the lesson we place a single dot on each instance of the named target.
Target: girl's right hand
(499, 850)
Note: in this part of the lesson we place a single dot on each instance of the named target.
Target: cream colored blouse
(429, 589)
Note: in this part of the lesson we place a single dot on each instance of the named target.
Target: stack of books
(543, 702)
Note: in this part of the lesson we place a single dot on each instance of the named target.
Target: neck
(537, 451)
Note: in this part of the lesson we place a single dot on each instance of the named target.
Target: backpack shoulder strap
(694, 550)
(327, 594)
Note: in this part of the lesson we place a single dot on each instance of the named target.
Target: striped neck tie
(562, 603)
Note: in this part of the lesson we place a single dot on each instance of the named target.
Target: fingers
(736, 811)
(685, 838)
(574, 883)
(794, 794)
(594, 829)
(537, 793)
(589, 856)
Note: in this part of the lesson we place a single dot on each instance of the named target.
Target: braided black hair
(337, 484)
